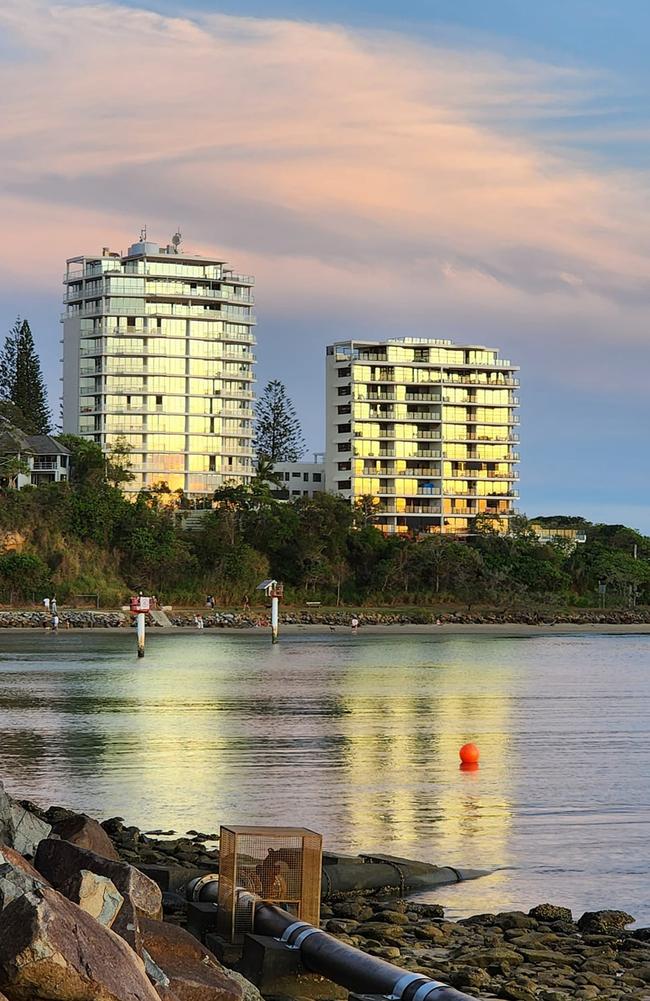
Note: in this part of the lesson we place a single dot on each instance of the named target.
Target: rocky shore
(542, 955)
(78, 619)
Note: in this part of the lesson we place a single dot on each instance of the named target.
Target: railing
(44, 465)
(423, 397)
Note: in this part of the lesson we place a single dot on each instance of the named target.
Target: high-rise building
(158, 349)
(425, 430)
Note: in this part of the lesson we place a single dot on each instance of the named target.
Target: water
(357, 737)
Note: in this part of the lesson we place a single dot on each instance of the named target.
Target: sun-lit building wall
(426, 428)
(158, 350)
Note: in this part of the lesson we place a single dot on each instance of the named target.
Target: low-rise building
(48, 461)
(299, 479)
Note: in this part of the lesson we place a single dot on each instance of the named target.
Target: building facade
(158, 350)
(299, 479)
(425, 429)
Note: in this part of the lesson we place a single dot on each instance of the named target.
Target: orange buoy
(469, 754)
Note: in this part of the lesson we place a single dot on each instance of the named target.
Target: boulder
(548, 913)
(96, 895)
(86, 833)
(194, 973)
(50, 948)
(17, 876)
(19, 828)
(60, 861)
(604, 922)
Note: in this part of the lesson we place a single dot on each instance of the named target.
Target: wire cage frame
(279, 865)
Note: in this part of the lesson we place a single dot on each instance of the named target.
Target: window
(344, 485)
(344, 465)
(344, 373)
(212, 465)
(287, 475)
(345, 409)
(305, 477)
(305, 493)
(317, 477)
(295, 493)
(343, 428)
(63, 460)
(344, 390)
(343, 446)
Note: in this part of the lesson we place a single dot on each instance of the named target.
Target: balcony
(421, 415)
(44, 465)
(423, 398)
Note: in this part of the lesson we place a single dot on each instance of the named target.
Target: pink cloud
(349, 170)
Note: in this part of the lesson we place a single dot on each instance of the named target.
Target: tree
(8, 363)
(21, 378)
(118, 462)
(278, 434)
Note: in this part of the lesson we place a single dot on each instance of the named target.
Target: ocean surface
(357, 737)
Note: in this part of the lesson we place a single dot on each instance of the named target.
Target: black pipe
(355, 877)
(347, 966)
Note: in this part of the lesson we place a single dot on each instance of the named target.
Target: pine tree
(28, 390)
(8, 363)
(278, 434)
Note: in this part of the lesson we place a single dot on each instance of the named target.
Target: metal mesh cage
(280, 865)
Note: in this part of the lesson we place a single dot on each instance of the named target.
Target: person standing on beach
(55, 623)
(354, 623)
(53, 605)
(46, 604)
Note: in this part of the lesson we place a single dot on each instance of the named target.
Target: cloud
(313, 142)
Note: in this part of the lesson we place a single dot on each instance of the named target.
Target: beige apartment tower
(424, 428)
(158, 349)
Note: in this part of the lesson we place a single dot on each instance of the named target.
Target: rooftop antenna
(176, 240)
(143, 234)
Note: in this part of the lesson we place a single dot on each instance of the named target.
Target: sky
(449, 168)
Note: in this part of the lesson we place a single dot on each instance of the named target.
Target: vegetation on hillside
(86, 538)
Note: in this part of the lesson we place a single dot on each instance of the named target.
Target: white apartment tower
(158, 349)
(424, 430)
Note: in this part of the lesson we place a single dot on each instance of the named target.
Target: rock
(390, 917)
(430, 932)
(194, 973)
(337, 926)
(469, 979)
(60, 861)
(604, 922)
(498, 958)
(50, 948)
(96, 895)
(251, 992)
(516, 990)
(19, 828)
(381, 931)
(357, 909)
(514, 919)
(551, 912)
(86, 833)
(17, 876)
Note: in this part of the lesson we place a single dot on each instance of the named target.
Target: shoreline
(497, 629)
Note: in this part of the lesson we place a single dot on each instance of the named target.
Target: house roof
(12, 439)
(45, 444)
